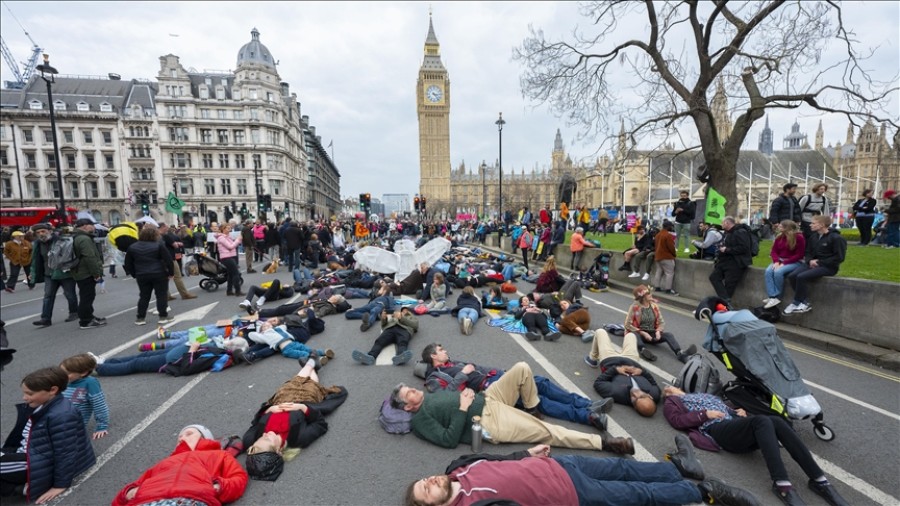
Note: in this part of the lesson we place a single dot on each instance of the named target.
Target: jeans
(301, 273)
(469, 313)
(149, 285)
(802, 276)
(14, 275)
(743, 435)
(559, 403)
(775, 279)
(148, 361)
(683, 230)
(87, 292)
(893, 234)
(372, 310)
(51, 286)
(623, 482)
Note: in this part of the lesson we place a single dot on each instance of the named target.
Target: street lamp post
(45, 69)
(500, 124)
(483, 191)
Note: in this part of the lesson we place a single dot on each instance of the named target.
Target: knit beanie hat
(206, 433)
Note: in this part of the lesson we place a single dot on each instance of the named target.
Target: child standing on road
(84, 392)
(45, 461)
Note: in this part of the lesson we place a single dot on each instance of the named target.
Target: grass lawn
(871, 262)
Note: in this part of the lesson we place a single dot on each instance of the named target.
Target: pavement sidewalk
(882, 357)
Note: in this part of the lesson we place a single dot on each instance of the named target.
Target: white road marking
(856, 483)
(133, 433)
(25, 301)
(854, 401)
(384, 358)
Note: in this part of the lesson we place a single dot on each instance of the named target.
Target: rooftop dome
(255, 52)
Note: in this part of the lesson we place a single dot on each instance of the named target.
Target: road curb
(876, 355)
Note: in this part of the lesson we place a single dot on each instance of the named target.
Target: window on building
(34, 189)
(238, 114)
(270, 116)
(89, 161)
(204, 113)
(204, 92)
(254, 114)
(48, 136)
(92, 189)
(220, 93)
(4, 158)
(226, 186)
(273, 136)
(28, 135)
(174, 73)
(107, 137)
(36, 105)
(30, 161)
(74, 190)
(209, 186)
(88, 136)
(253, 94)
(59, 105)
(222, 113)
(257, 161)
(236, 94)
(186, 186)
(51, 160)
(180, 160)
(254, 135)
(240, 162)
(238, 137)
(68, 137)
(207, 160)
(3, 132)
(208, 81)
(178, 134)
(112, 189)
(241, 186)
(83, 107)
(109, 161)
(176, 111)
(222, 136)
(223, 161)
(270, 97)
(70, 161)
(6, 187)
(105, 107)
(206, 136)
(275, 186)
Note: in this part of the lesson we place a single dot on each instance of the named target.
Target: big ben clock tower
(433, 108)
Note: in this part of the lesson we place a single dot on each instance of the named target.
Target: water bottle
(476, 434)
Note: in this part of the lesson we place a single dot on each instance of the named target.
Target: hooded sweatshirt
(534, 481)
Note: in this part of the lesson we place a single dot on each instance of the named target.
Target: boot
(717, 491)
(625, 267)
(685, 460)
(620, 445)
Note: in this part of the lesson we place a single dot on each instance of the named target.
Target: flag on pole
(715, 207)
(331, 143)
(173, 203)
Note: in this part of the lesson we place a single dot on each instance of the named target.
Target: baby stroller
(766, 379)
(596, 278)
(212, 269)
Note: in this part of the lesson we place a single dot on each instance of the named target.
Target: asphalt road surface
(356, 462)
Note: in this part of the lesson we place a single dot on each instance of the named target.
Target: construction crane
(21, 76)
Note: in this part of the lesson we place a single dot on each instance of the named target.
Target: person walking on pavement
(149, 263)
(685, 210)
(87, 273)
(18, 251)
(53, 279)
(175, 248)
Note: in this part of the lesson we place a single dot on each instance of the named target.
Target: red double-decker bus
(28, 216)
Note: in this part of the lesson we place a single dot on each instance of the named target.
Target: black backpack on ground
(771, 315)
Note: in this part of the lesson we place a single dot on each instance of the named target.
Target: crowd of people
(511, 404)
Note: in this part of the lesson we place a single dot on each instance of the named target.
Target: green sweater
(440, 421)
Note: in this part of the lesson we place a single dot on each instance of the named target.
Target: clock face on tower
(434, 93)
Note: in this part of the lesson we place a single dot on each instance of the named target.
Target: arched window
(115, 218)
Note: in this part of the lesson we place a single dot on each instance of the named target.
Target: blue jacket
(58, 445)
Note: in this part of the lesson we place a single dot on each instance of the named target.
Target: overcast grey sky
(354, 68)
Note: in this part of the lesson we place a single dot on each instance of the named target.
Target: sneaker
(365, 325)
(532, 336)
(771, 302)
(826, 491)
(788, 495)
(587, 336)
(246, 305)
(402, 358)
(163, 320)
(363, 358)
(96, 358)
(598, 421)
(803, 308)
(648, 355)
(140, 321)
(591, 362)
(171, 297)
(156, 311)
(634, 275)
(162, 333)
(92, 324)
(467, 326)
(72, 317)
(645, 277)
(553, 336)
(41, 323)
(671, 292)
(717, 491)
(100, 318)
(791, 308)
(687, 250)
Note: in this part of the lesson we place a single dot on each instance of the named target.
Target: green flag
(715, 207)
(173, 203)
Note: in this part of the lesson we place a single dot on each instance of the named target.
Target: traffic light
(422, 203)
(362, 201)
(145, 204)
(416, 203)
(268, 198)
(244, 212)
(261, 203)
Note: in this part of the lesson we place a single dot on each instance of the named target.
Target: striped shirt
(87, 397)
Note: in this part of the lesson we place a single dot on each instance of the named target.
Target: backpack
(771, 315)
(754, 243)
(392, 420)
(62, 254)
(699, 375)
(202, 360)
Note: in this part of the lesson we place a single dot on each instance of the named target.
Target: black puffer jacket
(58, 447)
(738, 245)
(148, 259)
(829, 249)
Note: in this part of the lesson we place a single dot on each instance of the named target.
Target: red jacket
(190, 474)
